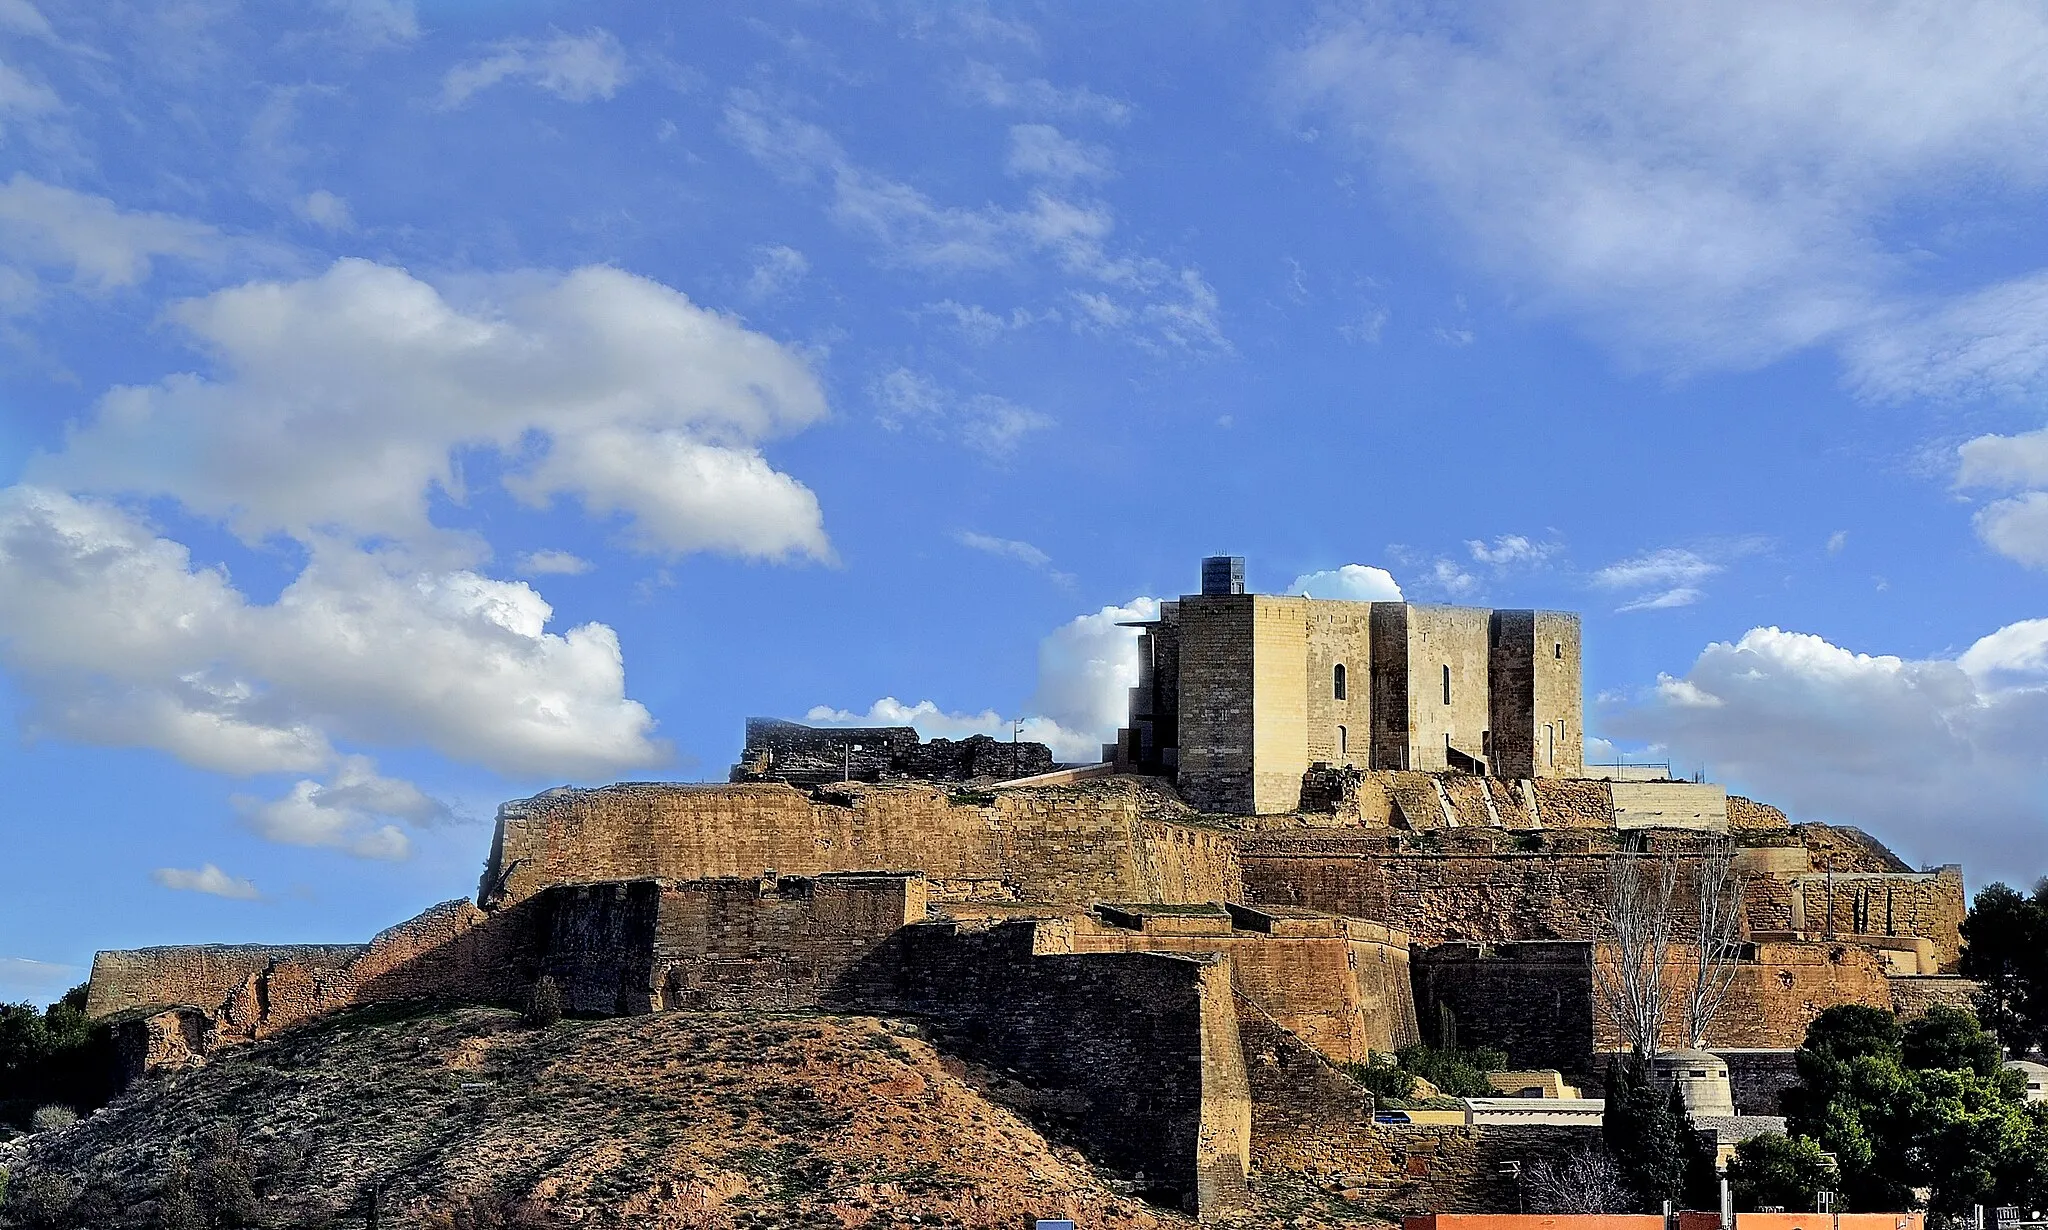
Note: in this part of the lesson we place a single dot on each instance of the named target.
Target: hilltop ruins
(1329, 829)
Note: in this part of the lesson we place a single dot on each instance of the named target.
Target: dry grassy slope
(674, 1120)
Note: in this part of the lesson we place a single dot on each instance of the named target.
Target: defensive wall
(1091, 842)
(1535, 1000)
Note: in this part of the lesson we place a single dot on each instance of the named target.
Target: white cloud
(21, 17)
(1039, 151)
(989, 86)
(1011, 548)
(1511, 550)
(117, 639)
(777, 270)
(2017, 528)
(208, 879)
(1681, 595)
(1661, 567)
(1365, 328)
(552, 563)
(342, 400)
(16, 972)
(1351, 582)
(379, 21)
(1837, 541)
(989, 424)
(575, 68)
(95, 243)
(982, 326)
(1143, 299)
(326, 211)
(1714, 183)
(352, 812)
(1937, 756)
(1086, 668)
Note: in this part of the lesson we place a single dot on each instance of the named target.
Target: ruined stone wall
(452, 951)
(1912, 996)
(1078, 843)
(1747, 816)
(202, 975)
(1571, 804)
(1923, 903)
(1140, 1049)
(1759, 1077)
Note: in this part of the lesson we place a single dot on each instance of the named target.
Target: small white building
(2037, 1077)
(1534, 1112)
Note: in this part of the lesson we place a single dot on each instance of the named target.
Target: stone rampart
(1064, 844)
(200, 975)
(782, 943)
(1342, 986)
(1135, 1055)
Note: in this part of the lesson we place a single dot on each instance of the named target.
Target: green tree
(1779, 1171)
(2006, 949)
(1645, 1134)
(1950, 1039)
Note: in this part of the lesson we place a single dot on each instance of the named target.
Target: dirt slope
(469, 1118)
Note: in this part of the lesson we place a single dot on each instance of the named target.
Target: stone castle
(1330, 829)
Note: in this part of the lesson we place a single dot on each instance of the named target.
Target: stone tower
(1239, 694)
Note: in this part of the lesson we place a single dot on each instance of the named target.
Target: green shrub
(544, 1002)
(54, 1118)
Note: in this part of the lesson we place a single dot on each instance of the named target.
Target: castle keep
(1239, 694)
(1329, 829)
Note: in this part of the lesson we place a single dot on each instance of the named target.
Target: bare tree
(1716, 931)
(1585, 1180)
(1628, 982)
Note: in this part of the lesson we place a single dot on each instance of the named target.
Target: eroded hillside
(471, 1118)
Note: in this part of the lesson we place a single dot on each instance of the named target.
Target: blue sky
(409, 406)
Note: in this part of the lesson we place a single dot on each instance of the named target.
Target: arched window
(1447, 684)
(1339, 684)
(1343, 737)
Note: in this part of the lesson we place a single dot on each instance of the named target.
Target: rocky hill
(470, 1118)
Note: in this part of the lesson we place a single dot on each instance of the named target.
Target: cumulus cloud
(1712, 184)
(354, 811)
(984, 422)
(1086, 668)
(207, 879)
(1139, 298)
(117, 638)
(341, 401)
(575, 68)
(1351, 582)
(1938, 756)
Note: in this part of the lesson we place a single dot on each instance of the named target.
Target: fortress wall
(1913, 995)
(1930, 904)
(1440, 637)
(1344, 997)
(1435, 898)
(1531, 1000)
(1067, 844)
(1215, 773)
(1130, 1051)
(1180, 864)
(1279, 703)
(201, 975)
(1573, 804)
(649, 945)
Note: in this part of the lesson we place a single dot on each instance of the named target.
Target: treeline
(52, 1058)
